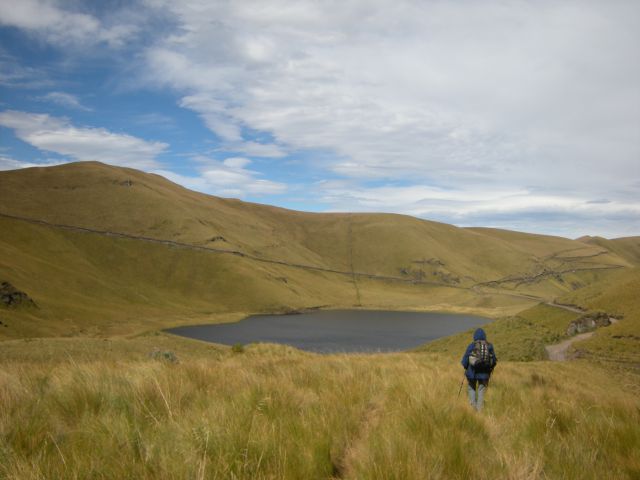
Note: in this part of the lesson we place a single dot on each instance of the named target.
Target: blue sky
(510, 114)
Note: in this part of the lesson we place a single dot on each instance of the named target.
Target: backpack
(480, 357)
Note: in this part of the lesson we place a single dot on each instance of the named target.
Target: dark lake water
(337, 330)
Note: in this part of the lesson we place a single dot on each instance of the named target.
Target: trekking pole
(461, 383)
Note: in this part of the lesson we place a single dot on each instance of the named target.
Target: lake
(330, 331)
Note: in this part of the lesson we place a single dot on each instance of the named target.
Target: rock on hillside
(588, 322)
(11, 297)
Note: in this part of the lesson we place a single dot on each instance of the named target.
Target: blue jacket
(471, 373)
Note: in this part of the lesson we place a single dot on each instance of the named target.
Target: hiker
(479, 360)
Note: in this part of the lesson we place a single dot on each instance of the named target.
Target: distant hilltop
(89, 239)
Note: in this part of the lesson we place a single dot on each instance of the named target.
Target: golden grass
(106, 410)
(619, 343)
(96, 405)
(87, 284)
(92, 284)
(626, 247)
(520, 337)
(113, 281)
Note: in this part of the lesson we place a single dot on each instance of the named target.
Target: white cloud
(255, 149)
(213, 114)
(570, 215)
(237, 163)
(508, 107)
(228, 128)
(229, 178)
(15, 75)
(58, 135)
(424, 201)
(156, 120)
(468, 94)
(7, 163)
(65, 100)
(62, 26)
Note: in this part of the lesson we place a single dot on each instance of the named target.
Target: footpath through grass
(522, 337)
(82, 408)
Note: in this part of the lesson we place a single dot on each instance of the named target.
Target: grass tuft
(278, 413)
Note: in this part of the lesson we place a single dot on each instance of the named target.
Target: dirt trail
(344, 466)
(570, 308)
(558, 352)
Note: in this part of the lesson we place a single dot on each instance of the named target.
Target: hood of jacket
(479, 335)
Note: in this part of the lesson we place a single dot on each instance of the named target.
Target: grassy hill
(105, 409)
(627, 247)
(102, 249)
(617, 294)
(90, 388)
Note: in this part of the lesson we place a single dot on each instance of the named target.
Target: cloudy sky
(515, 114)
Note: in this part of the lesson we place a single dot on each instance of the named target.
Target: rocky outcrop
(11, 297)
(588, 322)
(580, 329)
(217, 238)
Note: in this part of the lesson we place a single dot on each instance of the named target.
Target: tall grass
(521, 337)
(273, 412)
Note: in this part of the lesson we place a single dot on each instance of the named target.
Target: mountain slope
(109, 243)
(626, 247)
(93, 195)
(617, 295)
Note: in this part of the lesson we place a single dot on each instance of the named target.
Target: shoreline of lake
(337, 331)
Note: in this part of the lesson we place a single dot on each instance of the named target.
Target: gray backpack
(480, 357)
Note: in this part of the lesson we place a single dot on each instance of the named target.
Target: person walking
(479, 360)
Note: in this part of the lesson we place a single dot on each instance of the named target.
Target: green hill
(105, 409)
(95, 259)
(627, 247)
(108, 249)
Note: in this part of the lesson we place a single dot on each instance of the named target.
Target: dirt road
(558, 352)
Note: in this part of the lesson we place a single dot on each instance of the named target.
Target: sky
(514, 114)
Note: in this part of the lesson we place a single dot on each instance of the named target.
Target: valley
(96, 260)
(199, 248)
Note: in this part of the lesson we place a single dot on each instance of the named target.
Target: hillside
(99, 247)
(618, 295)
(95, 259)
(79, 408)
(626, 247)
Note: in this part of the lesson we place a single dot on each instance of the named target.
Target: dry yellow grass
(272, 412)
(94, 283)
(96, 405)
(618, 344)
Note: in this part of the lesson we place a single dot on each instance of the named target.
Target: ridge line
(215, 250)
